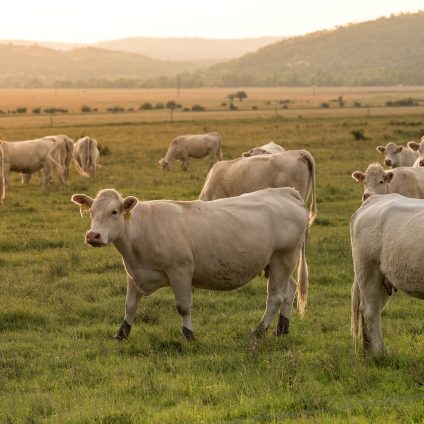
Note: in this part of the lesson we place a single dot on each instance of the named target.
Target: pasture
(62, 301)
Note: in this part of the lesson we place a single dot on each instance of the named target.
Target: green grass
(62, 301)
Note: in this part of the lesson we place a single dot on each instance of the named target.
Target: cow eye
(114, 212)
(381, 182)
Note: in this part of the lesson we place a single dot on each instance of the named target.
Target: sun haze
(95, 20)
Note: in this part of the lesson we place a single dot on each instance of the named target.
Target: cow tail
(302, 279)
(2, 180)
(58, 166)
(354, 323)
(79, 169)
(220, 157)
(311, 167)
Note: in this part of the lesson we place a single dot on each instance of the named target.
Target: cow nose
(365, 196)
(388, 162)
(422, 162)
(92, 236)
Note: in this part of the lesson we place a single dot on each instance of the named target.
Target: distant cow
(63, 155)
(196, 146)
(387, 255)
(86, 156)
(29, 157)
(265, 149)
(405, 180)
(396, 156)
(219, 245)
(418, 148)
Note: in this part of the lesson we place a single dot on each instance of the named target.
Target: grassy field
(62, 301)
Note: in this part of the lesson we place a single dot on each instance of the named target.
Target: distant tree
(231, 97)
(197, 108)
(171, 105)
(241, 95)
(85, 108)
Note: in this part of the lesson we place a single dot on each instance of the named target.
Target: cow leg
(181, 286)
(6, 173)
(47, 172)
(132, 301)
(280, 270)
(374, 297)
(286, 308)
(25, 178)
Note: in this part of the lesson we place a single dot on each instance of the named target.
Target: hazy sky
(89, 21)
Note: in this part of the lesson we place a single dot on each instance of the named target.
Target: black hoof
(123, 332)
(282, 326)
(259, 331)
(188, 334)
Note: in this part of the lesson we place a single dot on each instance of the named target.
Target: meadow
(62, 301)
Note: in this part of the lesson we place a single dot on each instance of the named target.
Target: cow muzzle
(94, 239)
(388, 162)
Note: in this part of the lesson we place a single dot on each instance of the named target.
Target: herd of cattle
(251, 216)
(47, 154)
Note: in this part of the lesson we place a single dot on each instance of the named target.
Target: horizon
(187, 19)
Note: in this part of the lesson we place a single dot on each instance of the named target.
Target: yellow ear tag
(127, 215)
(84, 209)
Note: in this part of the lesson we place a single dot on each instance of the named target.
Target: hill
(386, 51)
(39, 66)
(189, 49)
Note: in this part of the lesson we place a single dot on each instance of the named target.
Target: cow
(294, 168)
(196, 146)
(265, 149)
(28, 157)
(86, 156)
(219, 245)
(63, 155)
(387, 256)
(408, 181)
(418, 148)
(396, 156)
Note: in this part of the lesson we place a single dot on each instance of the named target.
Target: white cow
(408, 181)
(387, 255)
(294, 168)
(63, 155)
(196, 146)
(219, 245)
(418, 148)
(29, 157)
(265, 149)
(395, 156)
(86, 156)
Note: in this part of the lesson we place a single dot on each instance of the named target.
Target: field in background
(61, 300)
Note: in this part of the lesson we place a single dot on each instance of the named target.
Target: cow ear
(413, 145)
(358, 176)
(245, 154)
(128, 204)
(380, 149)
(389, 175)
(399, 149)
(83, 201)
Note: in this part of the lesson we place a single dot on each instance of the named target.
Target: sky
(91, 21)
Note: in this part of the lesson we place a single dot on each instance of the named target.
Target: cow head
(254, 152)
(390, 152)
(418, 147)
(375, 180)
(165, 164)
(109, 213)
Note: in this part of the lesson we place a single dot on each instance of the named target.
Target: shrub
(116, 109)
(197, 108)
(21, 110)
(2, 112)
(254, 107)
(36, 110)
(324, 105)
(55, 110)
(146, 106)
(358, 135)
(186, 109)
(159, 106)
(402, 102)
(232, 107)
(223, 104)
(356, 104)
(85, 108)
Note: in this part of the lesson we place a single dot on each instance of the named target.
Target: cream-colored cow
(219, 245)
(266, 149)
(418, 148)
(196, 146)
(86, 156)
(29, 157)
(408, 181)
(396, 156)
(387, 255)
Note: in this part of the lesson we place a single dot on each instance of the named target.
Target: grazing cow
(406, 180)
(196, 146)
(265, 149)
(418, 148)
(395, 156)
(63, 155)
(29, 157)
(294, 168)
(86, 156)
(219, 245)
(387, 255)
